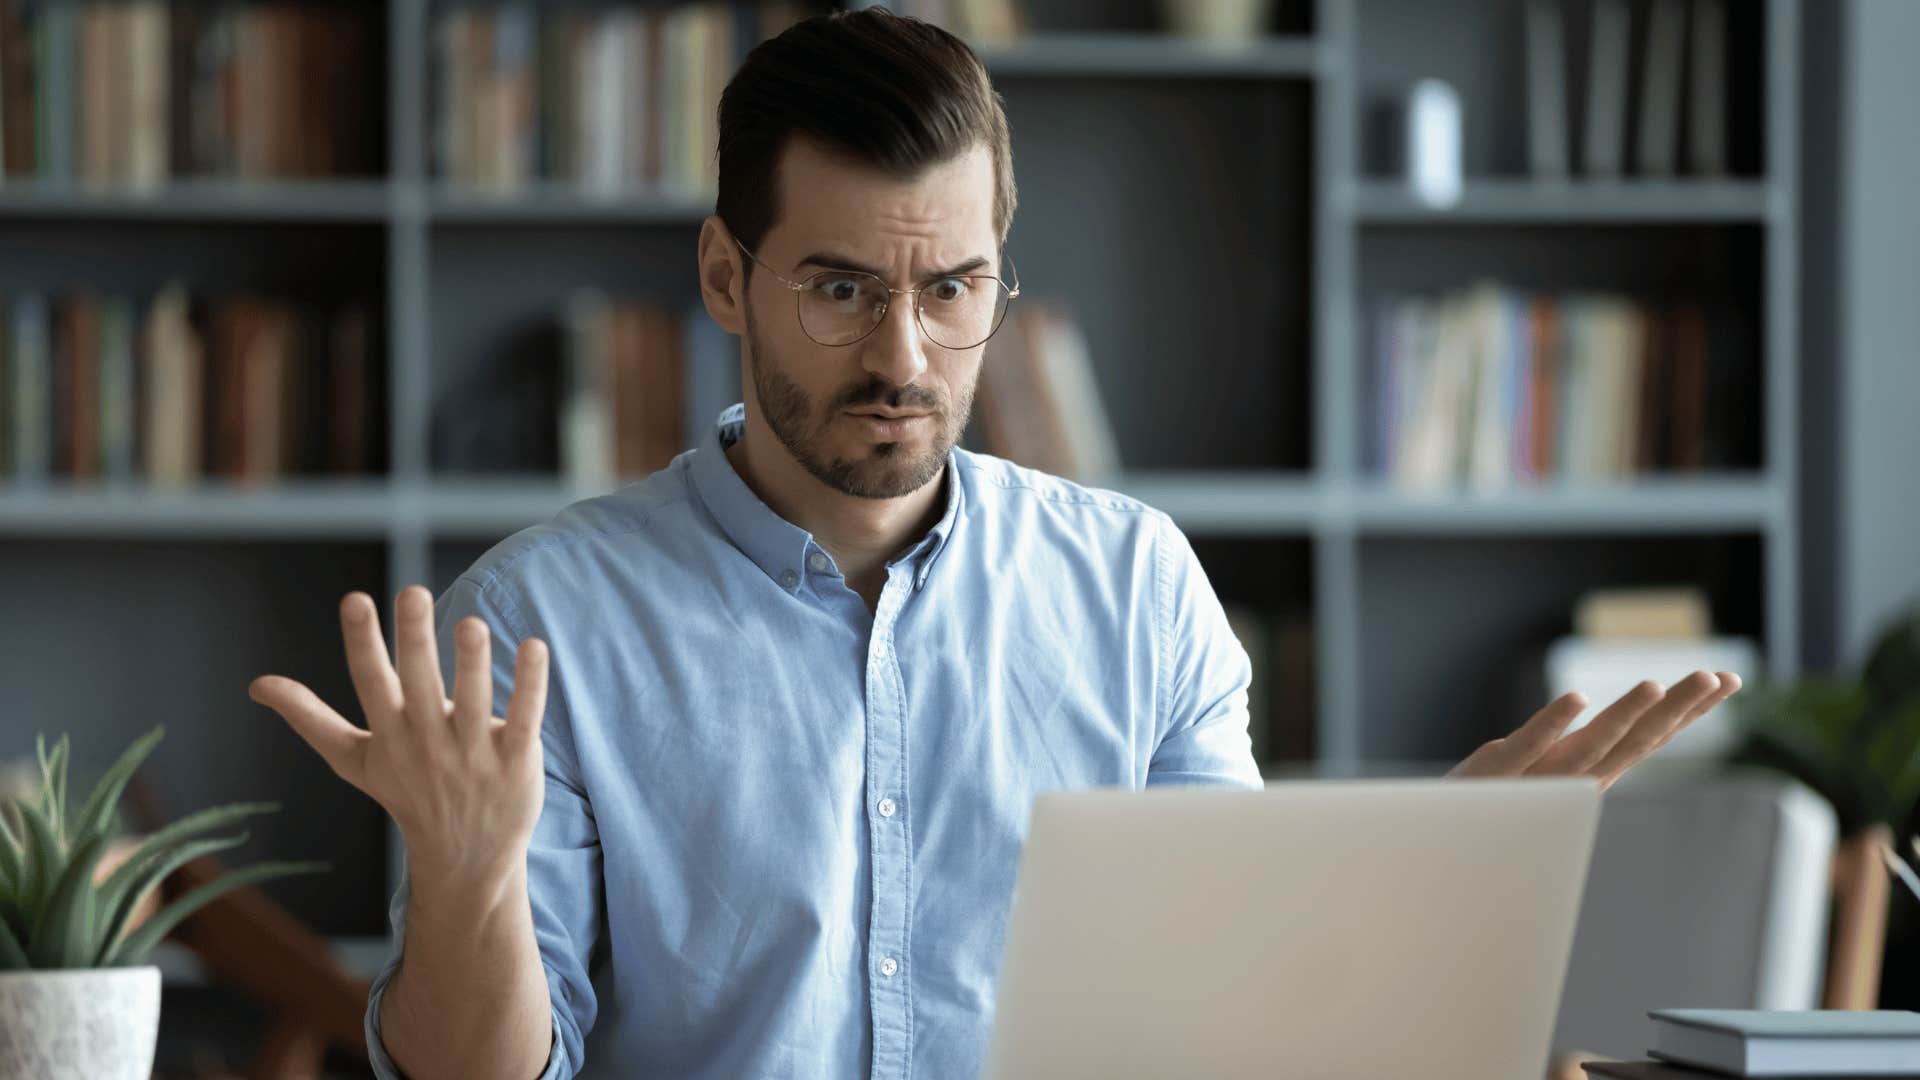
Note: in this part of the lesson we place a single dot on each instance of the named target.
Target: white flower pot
(79, 1023)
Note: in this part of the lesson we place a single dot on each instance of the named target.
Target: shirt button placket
(887, 944)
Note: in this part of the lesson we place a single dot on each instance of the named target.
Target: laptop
(1319, 928)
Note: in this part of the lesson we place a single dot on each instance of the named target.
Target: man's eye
(840, 290)
(949, 289)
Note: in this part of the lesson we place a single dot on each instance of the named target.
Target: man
(807, 680)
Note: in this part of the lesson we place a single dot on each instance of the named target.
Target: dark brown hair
(894, 92)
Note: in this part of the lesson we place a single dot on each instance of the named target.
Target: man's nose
(897, 349)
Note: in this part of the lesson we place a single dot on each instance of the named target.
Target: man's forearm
(469, 999)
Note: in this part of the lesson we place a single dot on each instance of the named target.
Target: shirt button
(888, 967)
(818, 560)
(789, 579)
(886, 807)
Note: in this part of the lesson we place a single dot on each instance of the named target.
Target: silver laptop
(1325, 929)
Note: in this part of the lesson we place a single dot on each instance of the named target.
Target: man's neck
(860, 534)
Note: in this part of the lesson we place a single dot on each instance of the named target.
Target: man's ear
(722, 283)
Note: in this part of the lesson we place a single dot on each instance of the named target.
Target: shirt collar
(777, 546)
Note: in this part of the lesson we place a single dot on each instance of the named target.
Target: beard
(804, 427)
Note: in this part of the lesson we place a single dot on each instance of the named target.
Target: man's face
(838, 215)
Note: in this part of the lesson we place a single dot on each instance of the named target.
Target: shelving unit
(1223, 189)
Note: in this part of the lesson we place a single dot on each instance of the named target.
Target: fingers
(1675, 711)
(529, 701)
(374, 682)
(1581, 750)
(1729, 685)
(472, 678)
(1512, 755)
(338, 741)
(419, 658)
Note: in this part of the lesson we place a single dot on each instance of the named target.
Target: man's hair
(894, 92)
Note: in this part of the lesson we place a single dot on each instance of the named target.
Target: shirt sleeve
(564, 881)
(1204, 675)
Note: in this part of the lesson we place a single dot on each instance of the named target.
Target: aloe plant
(52, 912)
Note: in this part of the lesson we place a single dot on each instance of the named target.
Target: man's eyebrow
(832, 261)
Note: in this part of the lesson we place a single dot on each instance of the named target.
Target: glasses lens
(961, 312)
(840, 307)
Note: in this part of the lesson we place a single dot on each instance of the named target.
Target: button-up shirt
(781, 829)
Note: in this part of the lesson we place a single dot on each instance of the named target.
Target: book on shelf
(607, 100)
(984, 21)
(1788, 1043)
(1038, 402)
(125, 94)
(1655, 84)
(643, 382)
(1490, 388)
(105, 388)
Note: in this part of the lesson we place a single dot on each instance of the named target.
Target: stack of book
(643, 383)
(129, 93)
(1493, 388)
(1696, 1043)
(604, 99)
(1632, 98)
(1038, 403)
(94, 388)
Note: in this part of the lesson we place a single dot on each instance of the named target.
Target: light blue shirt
(792, 825)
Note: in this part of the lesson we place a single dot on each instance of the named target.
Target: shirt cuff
(385, 1069)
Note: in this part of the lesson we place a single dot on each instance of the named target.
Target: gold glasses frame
(886, 305)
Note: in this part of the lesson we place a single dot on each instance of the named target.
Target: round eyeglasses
(839, 307)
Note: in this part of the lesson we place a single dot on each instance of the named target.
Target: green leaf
(11, 864)
(12, 956)
(118, 893)
(45, 856)
(117, 909)
(138, 943)
(57, 937)
(98, 812)
(56, 781)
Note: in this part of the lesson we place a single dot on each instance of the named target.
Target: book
(1660, 1070)
(1546, 90)
(1605, 132)
(1707, 90)
(1781, 1043)
(1659, 135)
(1680, 612)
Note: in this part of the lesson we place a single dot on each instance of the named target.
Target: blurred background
(1485, 349)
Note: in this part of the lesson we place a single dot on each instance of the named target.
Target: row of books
(1676, 119)
(1492, 387)
(129, 93)
(1038, 402)
(643, 381)
(97, 387)
(606, 99)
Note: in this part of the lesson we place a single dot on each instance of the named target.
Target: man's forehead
(829, 200)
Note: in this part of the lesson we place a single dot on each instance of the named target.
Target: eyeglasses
(839, 307)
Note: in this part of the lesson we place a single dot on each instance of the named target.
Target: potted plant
(1856, 740)
(77, 997)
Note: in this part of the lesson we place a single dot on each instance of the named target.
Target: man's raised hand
(464, 786)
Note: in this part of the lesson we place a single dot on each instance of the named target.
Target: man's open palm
(1642, 721)
(464, 786)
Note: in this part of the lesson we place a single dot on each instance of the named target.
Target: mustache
(876, 392)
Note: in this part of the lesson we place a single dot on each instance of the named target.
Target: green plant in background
(1856, 741)
(52, 912)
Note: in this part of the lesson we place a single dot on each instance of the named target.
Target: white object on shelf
(1433, 143)
(1603, 670)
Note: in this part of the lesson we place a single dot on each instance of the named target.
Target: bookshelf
(1247, 426)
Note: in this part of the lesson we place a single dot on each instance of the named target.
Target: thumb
(339, 742)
